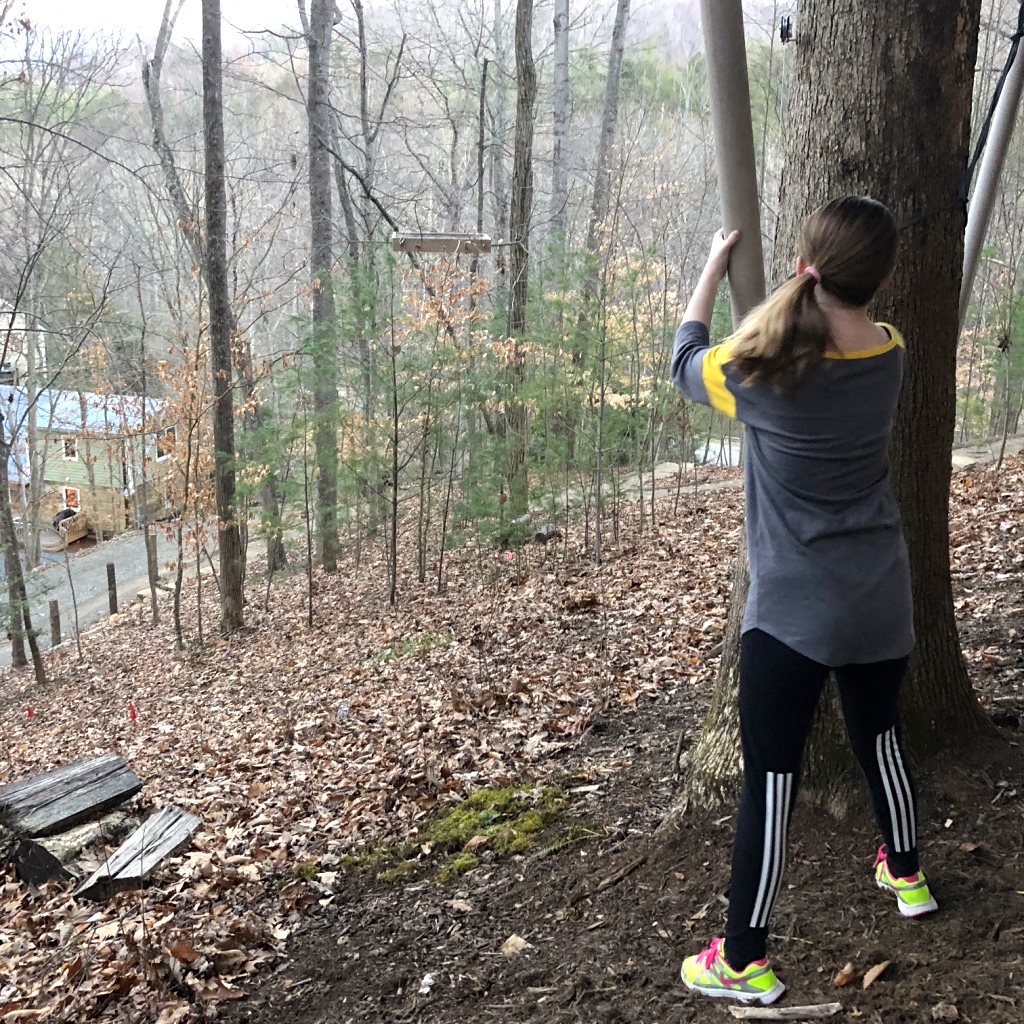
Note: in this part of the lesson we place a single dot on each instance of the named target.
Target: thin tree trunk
(325, 368)
(21, 619)
(601, 199)
(519, 257)
(560, 125)
(229, 536)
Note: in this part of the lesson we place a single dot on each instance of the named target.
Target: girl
(816, 382)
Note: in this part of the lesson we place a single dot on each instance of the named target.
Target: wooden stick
(785, 1012)
(607, 883)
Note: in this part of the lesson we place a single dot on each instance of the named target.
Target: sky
(143, 16)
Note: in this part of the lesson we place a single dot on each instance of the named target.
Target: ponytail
(851, 244)
(784, 338)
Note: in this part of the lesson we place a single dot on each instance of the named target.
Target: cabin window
(70, 449)
(165, 441)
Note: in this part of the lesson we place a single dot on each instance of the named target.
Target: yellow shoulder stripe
(713, 373)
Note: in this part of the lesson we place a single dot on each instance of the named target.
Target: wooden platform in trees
(161, 835)
(53, 802)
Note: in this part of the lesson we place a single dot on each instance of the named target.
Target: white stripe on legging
(778, 791)
(896, 759)
(894, 794)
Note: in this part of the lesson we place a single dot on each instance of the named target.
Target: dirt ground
(609, 918)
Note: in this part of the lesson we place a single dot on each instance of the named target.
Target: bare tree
(560, 126)
(325, 366)
(221, 322)
(516, 420)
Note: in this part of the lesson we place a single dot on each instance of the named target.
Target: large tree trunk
(325, 368)
(229, 536)
(519, 257)
(856, 125)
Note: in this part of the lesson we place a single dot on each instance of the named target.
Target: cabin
(93, 454)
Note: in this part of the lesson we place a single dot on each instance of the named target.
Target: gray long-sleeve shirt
(829, 571)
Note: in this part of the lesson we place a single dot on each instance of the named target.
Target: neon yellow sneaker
(912, 894)
(709, 973)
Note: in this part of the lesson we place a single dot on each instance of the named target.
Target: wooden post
(729, 91)
(112, 588)
(55, 623)
(152, 570)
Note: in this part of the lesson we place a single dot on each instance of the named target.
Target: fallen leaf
(461, 907)
(216, 990)
(876, 972)
(184, 952)
(476, 843)
(844, 976)
(945, 1012)
(515, 944)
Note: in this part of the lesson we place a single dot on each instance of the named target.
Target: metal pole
(979, 213)
(726, 54)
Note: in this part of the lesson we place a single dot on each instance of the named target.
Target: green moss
(455, 866)
(414, 646)
(403, 869)
(511, 817)
(307, 869)
(370, 862)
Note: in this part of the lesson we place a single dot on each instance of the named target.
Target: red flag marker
(29, 713)
(131, 712)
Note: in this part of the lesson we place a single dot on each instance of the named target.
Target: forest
(356, 329)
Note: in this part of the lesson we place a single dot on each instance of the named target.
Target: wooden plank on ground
(43, 805)
(162, 835)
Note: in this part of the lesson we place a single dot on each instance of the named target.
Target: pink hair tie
(815, 273)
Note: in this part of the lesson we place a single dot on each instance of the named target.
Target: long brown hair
(851, 242)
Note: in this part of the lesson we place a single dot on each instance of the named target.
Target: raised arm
(694, 371)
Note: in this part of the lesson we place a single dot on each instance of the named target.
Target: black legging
(779, 691)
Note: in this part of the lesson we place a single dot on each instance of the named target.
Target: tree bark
(857, 127)
(560, 124)
(21, 619)
(230, 540)
(601, 199)
(325, 367)
(517, 424)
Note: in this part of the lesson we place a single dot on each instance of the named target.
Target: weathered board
(162, 835)
(109, 830)
(440, 241)
(43, 805)
(43, 860)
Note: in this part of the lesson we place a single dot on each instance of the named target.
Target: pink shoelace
(708, 956)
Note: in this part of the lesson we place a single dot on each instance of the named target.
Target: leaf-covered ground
(300, 747)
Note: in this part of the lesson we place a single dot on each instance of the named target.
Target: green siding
(75, 473)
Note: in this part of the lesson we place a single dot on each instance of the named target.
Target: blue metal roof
(60, 412)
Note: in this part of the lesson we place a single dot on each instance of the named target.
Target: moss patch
(510, 819)
(457, 864)
(402, 870)
(307, 869)
(414, 646)
(505, 816)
